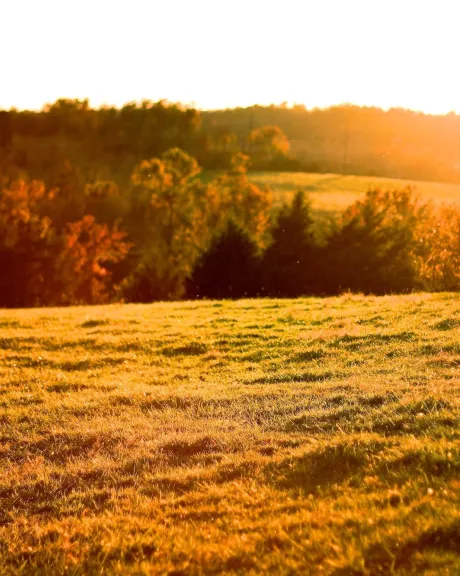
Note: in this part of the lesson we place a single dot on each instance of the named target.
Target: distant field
(294, 437)
(333, 193)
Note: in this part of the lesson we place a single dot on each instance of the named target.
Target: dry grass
(262, 436)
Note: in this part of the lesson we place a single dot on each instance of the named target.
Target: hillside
(309, 436)
(349, 139)
(334, 192)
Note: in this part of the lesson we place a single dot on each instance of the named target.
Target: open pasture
(309, 436)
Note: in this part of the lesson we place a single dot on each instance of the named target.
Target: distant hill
(357, 140)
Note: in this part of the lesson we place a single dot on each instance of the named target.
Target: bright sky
(226, 53)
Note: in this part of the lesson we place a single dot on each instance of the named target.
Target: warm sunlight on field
(230, 288)
(300, 436)
(335, 192)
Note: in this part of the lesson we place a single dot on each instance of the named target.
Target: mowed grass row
(309, 436)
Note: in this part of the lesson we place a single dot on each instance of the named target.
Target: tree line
(69, 143)
(366, 141)
(69, 136)
(168, 234)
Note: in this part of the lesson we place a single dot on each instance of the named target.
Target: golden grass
(333, 192)
(300, 436)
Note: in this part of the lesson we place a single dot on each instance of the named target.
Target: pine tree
(287, 262)
(228, 269)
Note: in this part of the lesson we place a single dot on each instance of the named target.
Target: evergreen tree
(228, 269)
(288, 260)
(374, 246)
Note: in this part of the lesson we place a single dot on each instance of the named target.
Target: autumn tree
(437, 251)
(6, 130)
(82, 263)
(174, 214)
(104, 201)
(44, 265)
(26, 245)
(242, 201)
(170, 218)
(267, 145)
(222, 146)
(68, 198)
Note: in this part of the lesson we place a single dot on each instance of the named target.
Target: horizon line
(288, 105)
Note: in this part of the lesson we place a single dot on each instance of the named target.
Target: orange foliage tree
(88, 248)
(26, 244)
(43, 266)
(268, 144)
(438, 249)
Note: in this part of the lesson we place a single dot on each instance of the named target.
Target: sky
(225, 53)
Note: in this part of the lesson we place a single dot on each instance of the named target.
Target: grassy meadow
(331, 193)
(309, 436)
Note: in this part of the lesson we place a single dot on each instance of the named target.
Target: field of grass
(309, 436)
(333, 193)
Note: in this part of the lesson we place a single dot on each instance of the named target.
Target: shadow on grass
(94, 323)
(324, 467)
(192, 349)
(421, 463)
(323, 422)
(59, 448)
(308, 356)
(435, 349)
(294, 377)
(66, 366)
(185, 449)
(355, 342)
(19, 343)
(447, 324)
(389, 557)
(11, 324)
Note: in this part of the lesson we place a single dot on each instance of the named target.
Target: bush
(150, 281)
